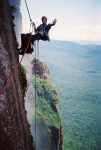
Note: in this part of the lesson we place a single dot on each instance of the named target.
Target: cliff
(14, 130)
(49, 124)
(15, 4)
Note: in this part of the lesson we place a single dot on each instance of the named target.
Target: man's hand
(34, 24)
(54, 21)
(34, 27)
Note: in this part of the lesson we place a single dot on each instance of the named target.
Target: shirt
(43, 29)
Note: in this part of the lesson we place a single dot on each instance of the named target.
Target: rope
(35, 73)
(22, 56)
(28, 11)
(35, 94)
(16, 67)
(38, 49)
(19, 65)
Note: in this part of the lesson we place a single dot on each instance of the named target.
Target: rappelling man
(42, 31)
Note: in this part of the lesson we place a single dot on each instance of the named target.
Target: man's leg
(35, 37)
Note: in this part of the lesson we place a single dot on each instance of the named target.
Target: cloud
(84, 33)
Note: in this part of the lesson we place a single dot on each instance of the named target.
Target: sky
(77, 20)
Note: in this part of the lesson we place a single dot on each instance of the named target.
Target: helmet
(43, 18)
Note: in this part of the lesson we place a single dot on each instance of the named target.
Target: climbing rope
(35, 71)
(4, 87)
(38, 49)
(21, 58)
(15, 68)
(28, 11)
(35, 94)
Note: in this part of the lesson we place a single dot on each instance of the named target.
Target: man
(42, 30)
(41, 34)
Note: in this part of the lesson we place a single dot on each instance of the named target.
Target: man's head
(44, 19)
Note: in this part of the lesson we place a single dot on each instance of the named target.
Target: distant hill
(76, 72)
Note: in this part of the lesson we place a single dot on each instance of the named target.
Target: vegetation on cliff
(23, 78)
(48, 117)
(47, 97)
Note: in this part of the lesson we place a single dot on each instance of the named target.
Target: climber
(41, 34)
(42, 30)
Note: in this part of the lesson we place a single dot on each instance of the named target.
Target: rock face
(17, 18)
(49, 124)
(42, 69)
(14, 132)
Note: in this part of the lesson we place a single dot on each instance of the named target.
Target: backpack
(24, 43)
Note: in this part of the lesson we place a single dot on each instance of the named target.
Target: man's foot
(21, 53)
(19, 49)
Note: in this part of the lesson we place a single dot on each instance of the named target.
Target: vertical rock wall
(14, 132)
(17, 18)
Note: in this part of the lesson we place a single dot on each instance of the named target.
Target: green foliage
(46, 96)
(22, 68)
(44, 109)
(79, 91)
(46, 89)
(23, 78)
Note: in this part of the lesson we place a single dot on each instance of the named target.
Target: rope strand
(35, 94)
(4, 87)
(16, 67)
(28, 11)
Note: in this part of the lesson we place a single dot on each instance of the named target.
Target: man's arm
(53, 23)
(39, 27)
(35, 29)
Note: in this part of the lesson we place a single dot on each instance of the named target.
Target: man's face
(44, 20)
